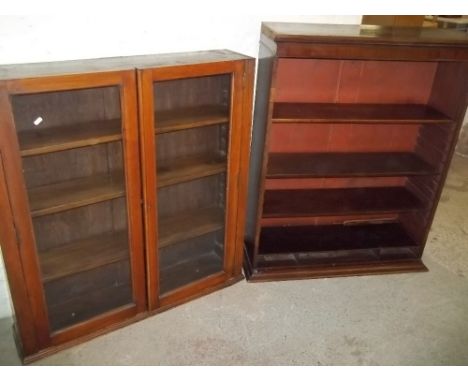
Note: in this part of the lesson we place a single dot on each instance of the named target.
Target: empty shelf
(189, 225)
(304, 165)
(356, 113)
(75, 193)
(83, 255)
(43, 141)
(185, 169)
(338, 201)
(187, 118)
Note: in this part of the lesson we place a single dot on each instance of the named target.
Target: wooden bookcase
(354, 129)
(85, 184)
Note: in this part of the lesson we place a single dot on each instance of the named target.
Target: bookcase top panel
(366, 34)
(109, 64)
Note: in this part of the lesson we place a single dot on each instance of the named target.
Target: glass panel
(71, 145)
(192, 129)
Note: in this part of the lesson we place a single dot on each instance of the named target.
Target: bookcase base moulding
(354, 131)
(122, 182)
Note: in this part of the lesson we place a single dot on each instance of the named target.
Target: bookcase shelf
(189, 168)
(58, 197)
(292, 112)
(320, 165)
(190, 117)
(52, 139)
(79, 256)
(338, 201)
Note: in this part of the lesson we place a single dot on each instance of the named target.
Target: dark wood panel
(333, 238)
(52, 139)
(75, 193)
(189, 168)
(189, 225)
(83, 255)
(190, 117)
(338, 201)
(355, 113)
(345, 164)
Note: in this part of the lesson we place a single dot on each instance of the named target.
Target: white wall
(54, 38)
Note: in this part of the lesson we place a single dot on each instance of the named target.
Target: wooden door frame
(17, 196)
(241, 72)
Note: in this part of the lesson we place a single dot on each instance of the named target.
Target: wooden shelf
(190, 225)
(356, 113)
(189, 270)
(304, 165)
(189, 168)
(338, 201)
(187, 118)
(83, 255)
(331, 238)
(75, 193)
(43, 141)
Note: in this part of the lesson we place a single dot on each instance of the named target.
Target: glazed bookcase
(121, 181)
(354, 130)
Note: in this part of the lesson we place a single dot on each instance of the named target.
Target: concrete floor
(411, 319)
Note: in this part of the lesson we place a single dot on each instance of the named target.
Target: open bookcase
(107, 218)
(353, 134)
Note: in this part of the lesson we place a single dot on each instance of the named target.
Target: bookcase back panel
(65, 108)
(353, 81)
(310, 138)
(192, 92)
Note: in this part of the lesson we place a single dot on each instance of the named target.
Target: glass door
(74, 152)
(192, 122)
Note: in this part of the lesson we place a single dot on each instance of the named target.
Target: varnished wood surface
(304, 165)
(190, 117)
(189, 168)
(17, 71)
(189, 225)
(338, 201)
(362, 34)
(43, 141)
(75, 193)
(83, 255)
(356, 113)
